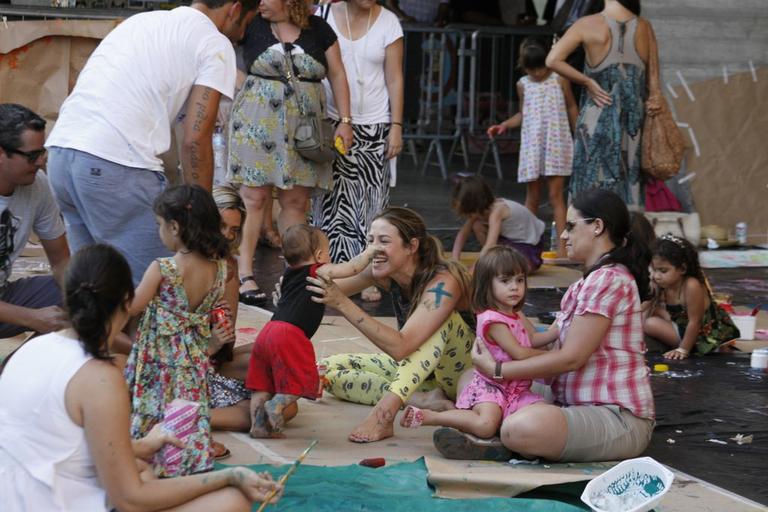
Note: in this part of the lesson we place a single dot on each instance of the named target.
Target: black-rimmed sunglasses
(569, 225)
(31, 156)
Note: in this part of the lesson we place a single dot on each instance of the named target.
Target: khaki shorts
(604, 432)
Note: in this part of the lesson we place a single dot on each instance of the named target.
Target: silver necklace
(359, 79)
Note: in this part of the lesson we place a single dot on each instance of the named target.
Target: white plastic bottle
(219, 144)
(554, 239)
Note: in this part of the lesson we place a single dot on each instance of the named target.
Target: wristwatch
(346, 120)
(497, 376)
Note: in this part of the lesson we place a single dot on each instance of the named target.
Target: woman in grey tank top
(621, 77)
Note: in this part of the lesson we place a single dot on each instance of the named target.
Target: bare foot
(377, 426)
(434, 400)
(371, 294)
(259, 425)
(274, 410)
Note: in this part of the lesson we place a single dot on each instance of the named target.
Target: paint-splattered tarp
(732, 259)
(701, 404)
(398, 488)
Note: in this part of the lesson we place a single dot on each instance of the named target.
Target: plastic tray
(642, 481)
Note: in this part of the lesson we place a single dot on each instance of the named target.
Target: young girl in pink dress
(499, 284)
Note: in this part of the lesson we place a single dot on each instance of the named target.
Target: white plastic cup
(759, 359)
(746, 325)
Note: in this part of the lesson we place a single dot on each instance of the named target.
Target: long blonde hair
(227, 197)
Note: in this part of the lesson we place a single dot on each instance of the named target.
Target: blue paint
(439, 293)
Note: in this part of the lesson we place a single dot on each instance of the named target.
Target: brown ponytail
(97, 283)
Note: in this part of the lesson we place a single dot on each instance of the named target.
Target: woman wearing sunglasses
(603, 406)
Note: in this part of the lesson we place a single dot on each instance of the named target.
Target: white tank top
(37, 431)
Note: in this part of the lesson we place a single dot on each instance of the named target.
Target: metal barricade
(499, 45)
(30, 13)
(482, 61)
(439, 72)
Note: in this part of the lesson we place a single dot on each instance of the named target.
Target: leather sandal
(252, 297)
(454, 444)
(219, 450)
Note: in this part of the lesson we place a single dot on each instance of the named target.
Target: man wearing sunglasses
(27, 206)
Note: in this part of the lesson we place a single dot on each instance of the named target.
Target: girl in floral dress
(684, 317)
(170, 357)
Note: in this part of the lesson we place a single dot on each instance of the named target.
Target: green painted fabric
(398, 488)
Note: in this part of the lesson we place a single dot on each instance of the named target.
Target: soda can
(741, 233)
(322, 381)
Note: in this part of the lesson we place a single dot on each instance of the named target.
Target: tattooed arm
(439, 300)
(197, 150)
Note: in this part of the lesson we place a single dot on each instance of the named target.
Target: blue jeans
(105, 202)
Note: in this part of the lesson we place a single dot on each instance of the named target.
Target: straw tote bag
(663, 146)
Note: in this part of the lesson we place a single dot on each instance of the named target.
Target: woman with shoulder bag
(621, 76)
(273, 102)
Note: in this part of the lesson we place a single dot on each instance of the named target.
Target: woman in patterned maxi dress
(625, 72)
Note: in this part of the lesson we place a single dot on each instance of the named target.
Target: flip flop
(220, 451)
(455, 444)
(412, 417)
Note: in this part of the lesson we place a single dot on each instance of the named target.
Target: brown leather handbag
(663, 146)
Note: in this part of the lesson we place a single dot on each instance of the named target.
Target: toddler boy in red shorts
(282, 367)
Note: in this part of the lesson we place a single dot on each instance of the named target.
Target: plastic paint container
(635, 485)
(741, 233)
(759, 359)
(661, 368)
(746, 325)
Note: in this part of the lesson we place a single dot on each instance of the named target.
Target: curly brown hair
(298, 12)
